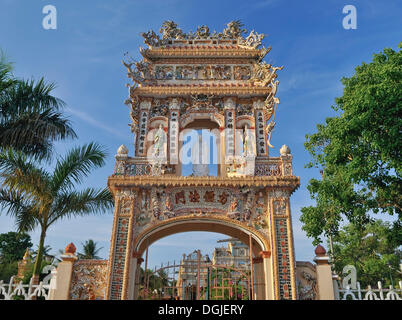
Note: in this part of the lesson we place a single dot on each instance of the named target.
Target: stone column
(173, 134)
(259, 279)
(61, 289)
(260, 127)
(119, 266)
(284, 265)
(268, 275)
(137, 278)
(134, 272)
(230, 127)
(141, 143)
(286, 161)
(325, 285)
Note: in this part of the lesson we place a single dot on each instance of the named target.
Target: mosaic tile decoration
(119, 258)
(283, 259)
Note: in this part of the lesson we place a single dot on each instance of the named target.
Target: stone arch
(156, 121)
(208, 224)
(199, 117)
(243, 120)
(203, 120)
(261, 247)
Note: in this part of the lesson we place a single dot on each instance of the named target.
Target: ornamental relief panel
(203, 72)
(88, 281)
(279, 207)
(245, 205)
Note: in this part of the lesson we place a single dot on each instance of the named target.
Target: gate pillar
(120, 259)
(268, 274)
(282, 245)
(259, 279)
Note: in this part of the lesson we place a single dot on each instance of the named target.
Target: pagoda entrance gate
(188, 82)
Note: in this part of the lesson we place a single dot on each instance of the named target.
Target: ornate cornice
(219, 51)
(218, 89)
(290, 183)
(201, 60)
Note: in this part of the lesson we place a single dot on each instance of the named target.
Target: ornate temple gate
(193, 81)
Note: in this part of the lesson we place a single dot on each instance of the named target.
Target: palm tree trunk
(38, 260)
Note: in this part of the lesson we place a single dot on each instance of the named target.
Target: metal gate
(195, 282)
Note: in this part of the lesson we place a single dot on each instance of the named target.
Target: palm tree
(37, 198)
(30, 117)
(90, 250)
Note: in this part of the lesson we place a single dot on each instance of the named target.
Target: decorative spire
(320, 250)
(233, 31)
(70, 249)
(122, 151)
(27, 255)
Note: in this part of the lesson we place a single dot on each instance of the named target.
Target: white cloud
(89, 119)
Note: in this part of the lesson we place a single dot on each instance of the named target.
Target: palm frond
(25, 214)
(6, 79)
(22, 174)
(30, 115)
(80, 203)
(76, 165)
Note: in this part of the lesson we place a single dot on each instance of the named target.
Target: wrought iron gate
(196, 282)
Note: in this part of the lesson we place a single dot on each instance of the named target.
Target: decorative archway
(258, 242)
(184, 83)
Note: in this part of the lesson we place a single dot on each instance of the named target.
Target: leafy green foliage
(374, 250)
(156, 281)
(7, 270)
(38, 198)
(13, 246)
(359, 151)
(30, 117)
(90, 250)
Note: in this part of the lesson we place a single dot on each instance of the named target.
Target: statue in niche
(246, 142)
(198, 155)
(159, 140)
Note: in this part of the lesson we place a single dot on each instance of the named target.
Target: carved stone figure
(234, 30)
(247, 142)
(270, 127)
(223, 198)
(248, 207)
(159, 140)
(168, 211)
(202, 32)
(155, 202)
(194, 196)
(233, 212)
(169, 31)
(209, 196)
(164, 72)
(180, 198)
(264, 74)
(151, 38)
(260, 221)
(242, 73)
(253, 40)
(142, 72)
(184, 72)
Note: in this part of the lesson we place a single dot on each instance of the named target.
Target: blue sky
(83, 56)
